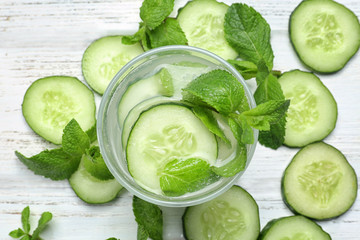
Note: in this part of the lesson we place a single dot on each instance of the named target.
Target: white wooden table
(48, 37)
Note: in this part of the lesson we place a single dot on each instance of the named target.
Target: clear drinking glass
(110, 129)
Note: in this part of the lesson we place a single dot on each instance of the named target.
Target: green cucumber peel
(95, 165)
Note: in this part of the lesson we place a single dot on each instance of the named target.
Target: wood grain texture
(48, 37)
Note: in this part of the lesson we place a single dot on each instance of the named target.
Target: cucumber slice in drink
(319, 182)
(233, 215)
(293, 227)
(203, 24)
(325, 34)
(159, 84)
(104, 58)
(162, 134)
(312, 114)
(91, 189)
(51, 102)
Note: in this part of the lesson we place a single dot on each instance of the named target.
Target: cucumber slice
(325, 34)
(93, 190)
(51, 102)
(164, 133)
(156, 85)
(319, 182)
(293, 227)
(203, 24)
(233, 215)
(312, 114)
(104, 58)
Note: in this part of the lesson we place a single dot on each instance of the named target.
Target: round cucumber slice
(104, 58)
(233, 215)
(312, 114)
(294, 228)
(164, 133)
(51, 102)
(91, 189)
(203, 24)
(319, 182)
(325, 34)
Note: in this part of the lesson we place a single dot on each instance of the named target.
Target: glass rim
(146, 195)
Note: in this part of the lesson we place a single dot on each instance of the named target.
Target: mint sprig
(60, 163)
(156, 28)
(24, 233)
(149, 218)
(248, 33)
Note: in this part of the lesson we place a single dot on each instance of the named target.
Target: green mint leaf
(74, 139)
(25, 219)
(248, 33)
(208, 119)
(266, 113)
(43, 221)
(270, 89)
(247, 69)
(27, 237)
(181, 176)
(138, 36)
(17, 233)
(55, 164)
(168, 33)
(154, 12)
(235, 165)
(142, 234)
(112, 238)
(166, 81)
(217, 89)
(95, 165)
(92, 134)
(149, 216)
(247, 134)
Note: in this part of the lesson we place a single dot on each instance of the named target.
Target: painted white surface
(48, 37)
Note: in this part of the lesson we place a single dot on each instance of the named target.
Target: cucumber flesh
(51, 102)
(233, 215)
(91, 189)
(319, 182)
(203, 24)
(104, 58)
(164, 133)
(325, 34)
(293, 228)
(312, 114)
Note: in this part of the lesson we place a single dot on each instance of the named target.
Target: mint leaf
(270, 89)
(247, 133)
(44, 219)
(168, 33)
(266, 113)
(95, 165)
(142, 234)
(17, 233)
(235, 165)
(181, 176)
(27, 237)
(208, 119)
(217, 89)
(149, 216)
(25, 219)
(55, 164)
(92, 133)
(74, 139)
(247, 69)
(112, 238)
(132, 39)
(154, 12)
(248, 33)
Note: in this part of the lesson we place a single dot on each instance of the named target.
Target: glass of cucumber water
(160, 147)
